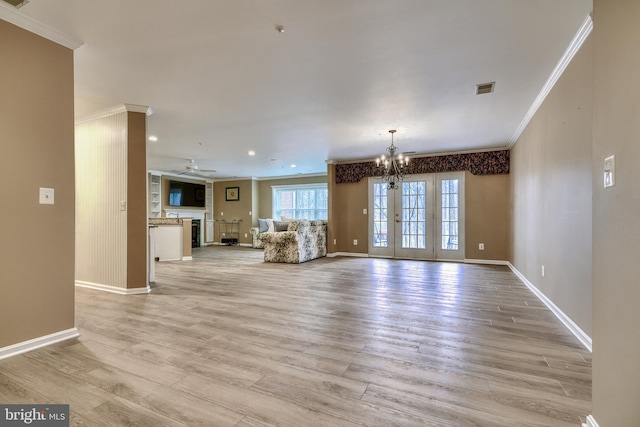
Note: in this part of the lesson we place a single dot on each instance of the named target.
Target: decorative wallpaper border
(483, 163)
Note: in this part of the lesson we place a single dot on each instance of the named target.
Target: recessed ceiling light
(153, 138)
(293, 166)
(251, 153)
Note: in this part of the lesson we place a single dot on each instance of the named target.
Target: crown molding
(122, 108)
(575, 45)
(10, 14)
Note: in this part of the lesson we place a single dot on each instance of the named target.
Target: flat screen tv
(186, 194)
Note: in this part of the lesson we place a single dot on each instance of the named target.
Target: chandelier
(393, 166)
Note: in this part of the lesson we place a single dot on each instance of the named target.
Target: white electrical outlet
(46, 196)
(355, 242)
(221, 213)
(334, 241)
(364, 211)
(245, 235)
(481, 246)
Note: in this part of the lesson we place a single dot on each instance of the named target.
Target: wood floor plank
(261, 406)
(229, 340)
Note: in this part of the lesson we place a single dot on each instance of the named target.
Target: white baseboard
(591, 422)
(113, 289)
(485, 261)
(36, 343)
(187, 258)
(351, 254)
(566, 320)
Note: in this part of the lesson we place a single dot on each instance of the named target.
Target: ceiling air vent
(483, 88)
(17, 3)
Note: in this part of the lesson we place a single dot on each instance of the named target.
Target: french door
(422, 219)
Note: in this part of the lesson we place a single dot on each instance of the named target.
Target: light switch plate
(609, 171)
(46, 196)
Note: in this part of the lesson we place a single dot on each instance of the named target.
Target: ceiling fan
(191, 168)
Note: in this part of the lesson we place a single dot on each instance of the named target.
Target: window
(308, 201)
(380, 215)
(449, 214)
(414, 217)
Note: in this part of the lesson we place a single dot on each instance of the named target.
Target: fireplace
(196, 215)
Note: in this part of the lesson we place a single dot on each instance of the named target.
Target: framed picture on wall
(233, 194)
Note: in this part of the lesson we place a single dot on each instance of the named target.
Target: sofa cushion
(287, 219)
(280, 225)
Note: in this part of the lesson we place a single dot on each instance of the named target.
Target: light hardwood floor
(227, 340)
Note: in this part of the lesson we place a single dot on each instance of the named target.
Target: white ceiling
(222, 81)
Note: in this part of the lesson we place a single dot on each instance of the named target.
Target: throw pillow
(262, 225)
(270, 225)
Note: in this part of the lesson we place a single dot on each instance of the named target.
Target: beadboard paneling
(101, 185)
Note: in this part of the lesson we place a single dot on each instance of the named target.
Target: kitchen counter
(166, 221)
(172, 238)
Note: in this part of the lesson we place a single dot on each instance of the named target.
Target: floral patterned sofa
(303, 241)
(267, 226)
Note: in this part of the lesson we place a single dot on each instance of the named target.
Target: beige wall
(234, 210)
(551, 178)
(36, 148)
(616, 214)
(487, 216)
(137, 202)
(348, 222)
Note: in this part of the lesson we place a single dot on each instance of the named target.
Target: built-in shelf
(209, 222)
(155, 197)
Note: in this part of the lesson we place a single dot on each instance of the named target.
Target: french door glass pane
(380, 215)
(414, 215)
(449, 214)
